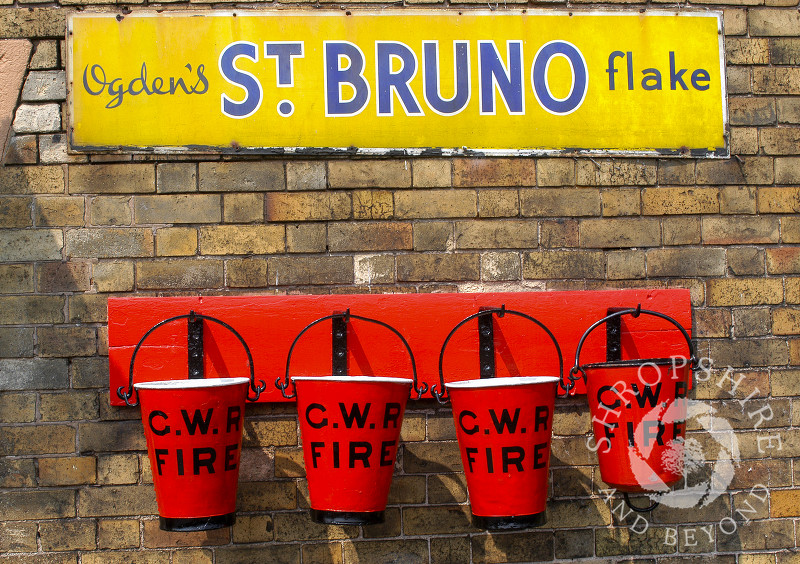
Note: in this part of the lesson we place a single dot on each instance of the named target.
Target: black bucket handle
(283, 383)
(256, 389)
(636, 508)
(634, 312)
(500, 311)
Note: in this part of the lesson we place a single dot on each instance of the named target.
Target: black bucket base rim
(194, 524)
(510, 522)
(327, 517)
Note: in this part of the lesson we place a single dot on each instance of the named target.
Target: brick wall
(75, 482)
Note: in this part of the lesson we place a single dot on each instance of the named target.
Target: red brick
(783, 260)
(494, 172)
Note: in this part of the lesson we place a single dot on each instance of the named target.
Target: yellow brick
(195, 556)
(17, 407)
(621, 201)
(370, 173)
(413, 427)
(498, 203)
(305, 175)
(373, 204)
(253, 176)
(70, 406)
(118, 533)
(113, 276)
(786, 321)
(555, 172)
(436, 519)
(117, 469)
(176, 241)
(279, 432)
(744, 291)
(619, 172)
(435, 204)
(665, 200)
(308, 206)
(67, 471)
(17, 537)
(112, 178)
(110, 210)
(778, 199)
(67, 535)
(253, 528)
(242, 239)
(432, 173)
(243, 208)
(37, 439)
(783, 260)
(57, 211)
(785, 503)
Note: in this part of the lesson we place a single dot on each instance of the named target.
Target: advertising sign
(408, 82)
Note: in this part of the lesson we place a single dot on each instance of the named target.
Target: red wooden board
(269, 325)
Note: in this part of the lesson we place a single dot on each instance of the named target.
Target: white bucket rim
(195, 383)
(498, 382)
(383, 379)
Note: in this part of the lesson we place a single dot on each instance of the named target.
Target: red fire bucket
(638, 410)
(350, 427)
(194, 437)
(504, 427)
(193, 430)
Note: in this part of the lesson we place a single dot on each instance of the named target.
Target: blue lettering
(651, 80)
(675, 78)
(389, 83)
(494, 74)
(344, 64)
(95, 77)
(431, 78)
(580, 77)
(242, 79)
(283, 52)
(699, 77)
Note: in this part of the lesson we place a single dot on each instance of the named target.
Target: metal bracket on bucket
(195, 347)
(486, 346)
(339, 323)
(577, 372)
(486, 342)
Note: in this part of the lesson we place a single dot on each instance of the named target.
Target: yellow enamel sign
(399, 82)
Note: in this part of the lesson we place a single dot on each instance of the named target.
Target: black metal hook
(192, 317)
(339, 361)
(487, 313)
